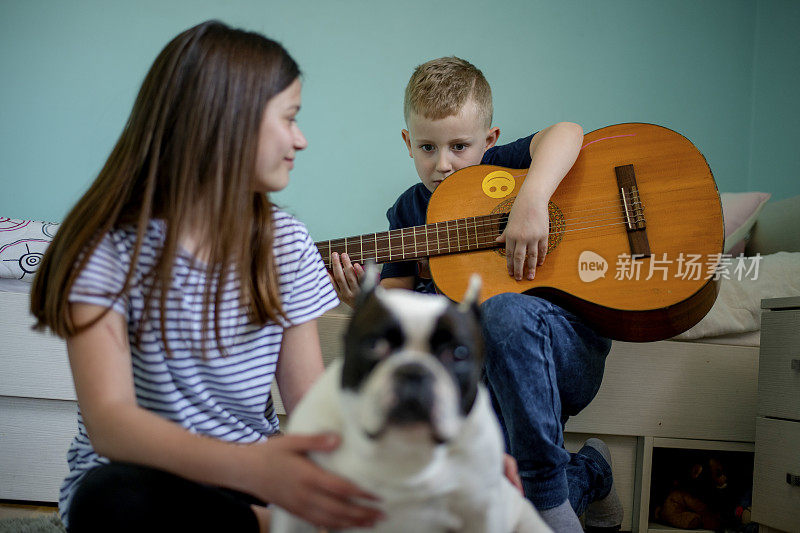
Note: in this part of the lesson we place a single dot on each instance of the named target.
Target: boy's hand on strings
(525, 237)
(294, 482)
(345, 276)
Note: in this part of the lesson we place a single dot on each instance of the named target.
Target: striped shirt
(224, 397)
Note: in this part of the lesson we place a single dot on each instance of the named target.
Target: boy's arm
(553, 152)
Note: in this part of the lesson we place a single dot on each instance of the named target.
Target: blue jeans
(543, 365)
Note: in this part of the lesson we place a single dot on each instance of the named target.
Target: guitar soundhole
(557, 223)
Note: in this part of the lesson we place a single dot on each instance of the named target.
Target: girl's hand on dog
(289, 479)
(512, 473)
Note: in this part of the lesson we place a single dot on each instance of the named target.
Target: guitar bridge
(632, 211)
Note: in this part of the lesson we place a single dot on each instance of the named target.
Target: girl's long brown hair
(186, 156)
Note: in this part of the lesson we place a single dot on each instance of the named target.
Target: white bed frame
(662, 394)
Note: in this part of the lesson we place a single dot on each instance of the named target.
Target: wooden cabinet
(37, 407)
(651, 452)
(776, 482)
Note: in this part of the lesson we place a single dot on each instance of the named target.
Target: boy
(542, 363)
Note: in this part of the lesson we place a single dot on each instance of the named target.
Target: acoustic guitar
(636, 234)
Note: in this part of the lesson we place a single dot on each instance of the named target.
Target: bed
(697, 391)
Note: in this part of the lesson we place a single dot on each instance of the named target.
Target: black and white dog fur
(417, 428)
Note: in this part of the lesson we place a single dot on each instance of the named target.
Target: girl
(182, 291)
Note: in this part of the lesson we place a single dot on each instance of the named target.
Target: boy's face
(440, 147)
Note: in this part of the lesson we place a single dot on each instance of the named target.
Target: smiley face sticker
(498, 184)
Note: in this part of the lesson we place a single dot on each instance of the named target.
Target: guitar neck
(406, 244)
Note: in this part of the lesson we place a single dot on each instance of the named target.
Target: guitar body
(679, 207)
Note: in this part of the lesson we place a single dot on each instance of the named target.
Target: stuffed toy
(698, 498)
(743, 513)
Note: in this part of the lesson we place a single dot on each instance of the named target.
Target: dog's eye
(377, 346)
(440, 339)
(460, 353)
(394, 337)
(382, 343)
(454, 354)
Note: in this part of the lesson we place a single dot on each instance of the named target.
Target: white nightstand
(776, 482)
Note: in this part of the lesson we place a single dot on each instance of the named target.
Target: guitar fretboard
(439, 238)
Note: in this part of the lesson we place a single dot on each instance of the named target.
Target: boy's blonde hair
(441, 87)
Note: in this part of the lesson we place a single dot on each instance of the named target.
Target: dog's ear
(369, 283)
(470, 299)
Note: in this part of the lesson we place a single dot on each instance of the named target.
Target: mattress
(19, 306)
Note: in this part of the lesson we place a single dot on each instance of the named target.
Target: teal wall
(775, 154)
(722, 72)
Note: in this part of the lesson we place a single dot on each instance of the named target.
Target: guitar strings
(482, 241)
(485, 230)
(483, 237)
(486, 221)
(611, 202)
(631, 204)
(592, 212)
(599, 210)
(493, 219)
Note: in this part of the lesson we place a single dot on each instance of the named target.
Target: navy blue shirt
(411, 207)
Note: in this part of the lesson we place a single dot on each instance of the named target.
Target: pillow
(740, 211)
(22, 245)
(744, 282)
(778, 228)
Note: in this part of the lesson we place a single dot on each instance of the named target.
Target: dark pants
(123, 497)
(543, 365)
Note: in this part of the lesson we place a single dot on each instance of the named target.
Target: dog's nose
(412, 381)
(413, 373)
(413, 387)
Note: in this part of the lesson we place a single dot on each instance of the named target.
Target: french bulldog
(416, 424)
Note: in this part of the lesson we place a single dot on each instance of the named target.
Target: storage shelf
(674, 450)
(697, 444)
(655, 527)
